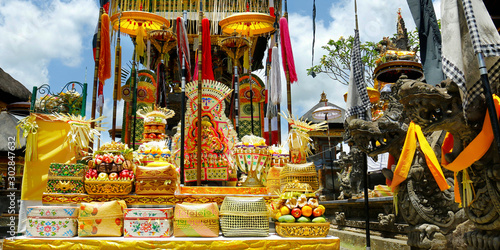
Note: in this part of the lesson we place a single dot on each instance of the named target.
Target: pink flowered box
(149, 222)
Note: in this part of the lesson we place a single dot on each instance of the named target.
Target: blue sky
(50, 42)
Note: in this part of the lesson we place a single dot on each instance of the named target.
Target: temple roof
(12, 90)
(309, 114)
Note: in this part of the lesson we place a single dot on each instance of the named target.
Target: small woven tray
(305, 230)
(108, 187)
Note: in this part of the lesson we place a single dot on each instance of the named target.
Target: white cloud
(36, 33)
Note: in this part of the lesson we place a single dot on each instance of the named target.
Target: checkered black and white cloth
(358, 102)
(467, 29)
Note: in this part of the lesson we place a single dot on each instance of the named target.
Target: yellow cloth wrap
(478, 147)
(407, 154)
(406, 158)
(51, 148)
(169, 243)
(431, 160)
(140, 41)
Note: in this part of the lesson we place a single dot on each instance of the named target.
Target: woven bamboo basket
(244, 216)
(305, 173)
(273, 180)
(306, 230)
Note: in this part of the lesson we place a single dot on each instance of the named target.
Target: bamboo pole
(96, 72)
(200, 86)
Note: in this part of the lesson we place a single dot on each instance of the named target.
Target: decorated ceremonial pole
(96, 72)
(117, 81)
(365, 163)
(183, 92)
(200, 86)
(287, 74)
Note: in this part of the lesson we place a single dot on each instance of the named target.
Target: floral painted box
(149, 222)
(52, 221)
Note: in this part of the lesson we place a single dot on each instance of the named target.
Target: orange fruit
(284, 210)
(307, 211)
(318, 212)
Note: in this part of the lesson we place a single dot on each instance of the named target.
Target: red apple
(124, 173)
(152, 136)
(113, 176)
(296, 212)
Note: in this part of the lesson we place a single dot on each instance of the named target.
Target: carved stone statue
(351, 174)
(420, 201)
(440, 108)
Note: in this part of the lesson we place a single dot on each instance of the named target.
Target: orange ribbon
(406, 158)
(474, 151)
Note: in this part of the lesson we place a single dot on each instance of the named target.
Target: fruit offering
(124, 175)
(297, 205)
(155, 121)
(154, 151)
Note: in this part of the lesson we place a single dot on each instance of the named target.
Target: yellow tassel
(30, 129)
(395, 200)
(246, 61)
(140, 42)
(467, 189)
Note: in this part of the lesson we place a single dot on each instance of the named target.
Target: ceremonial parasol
(248, 24)
(163, 40)
(136, 24)
(327, 113)
(235, 46)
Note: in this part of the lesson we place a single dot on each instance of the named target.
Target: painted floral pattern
(51, 228)
(147, 228)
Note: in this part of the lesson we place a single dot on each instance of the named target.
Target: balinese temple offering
(298, 212)
(155, 121)
(111, 170)
(218, 134)
(298, 140)
(133, 191)
(253, 159)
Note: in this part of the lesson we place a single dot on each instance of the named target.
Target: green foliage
(336, 63)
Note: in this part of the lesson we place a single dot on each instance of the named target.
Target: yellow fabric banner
(174, 243)
(407, 154)
(51, 149)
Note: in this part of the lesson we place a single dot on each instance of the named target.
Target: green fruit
(319, 220)
(303, 219)
(287, 218)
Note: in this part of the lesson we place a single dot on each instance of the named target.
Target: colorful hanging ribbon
(406, 158)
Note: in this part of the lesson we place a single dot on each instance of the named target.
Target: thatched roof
(8, 125)
(12, 90)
